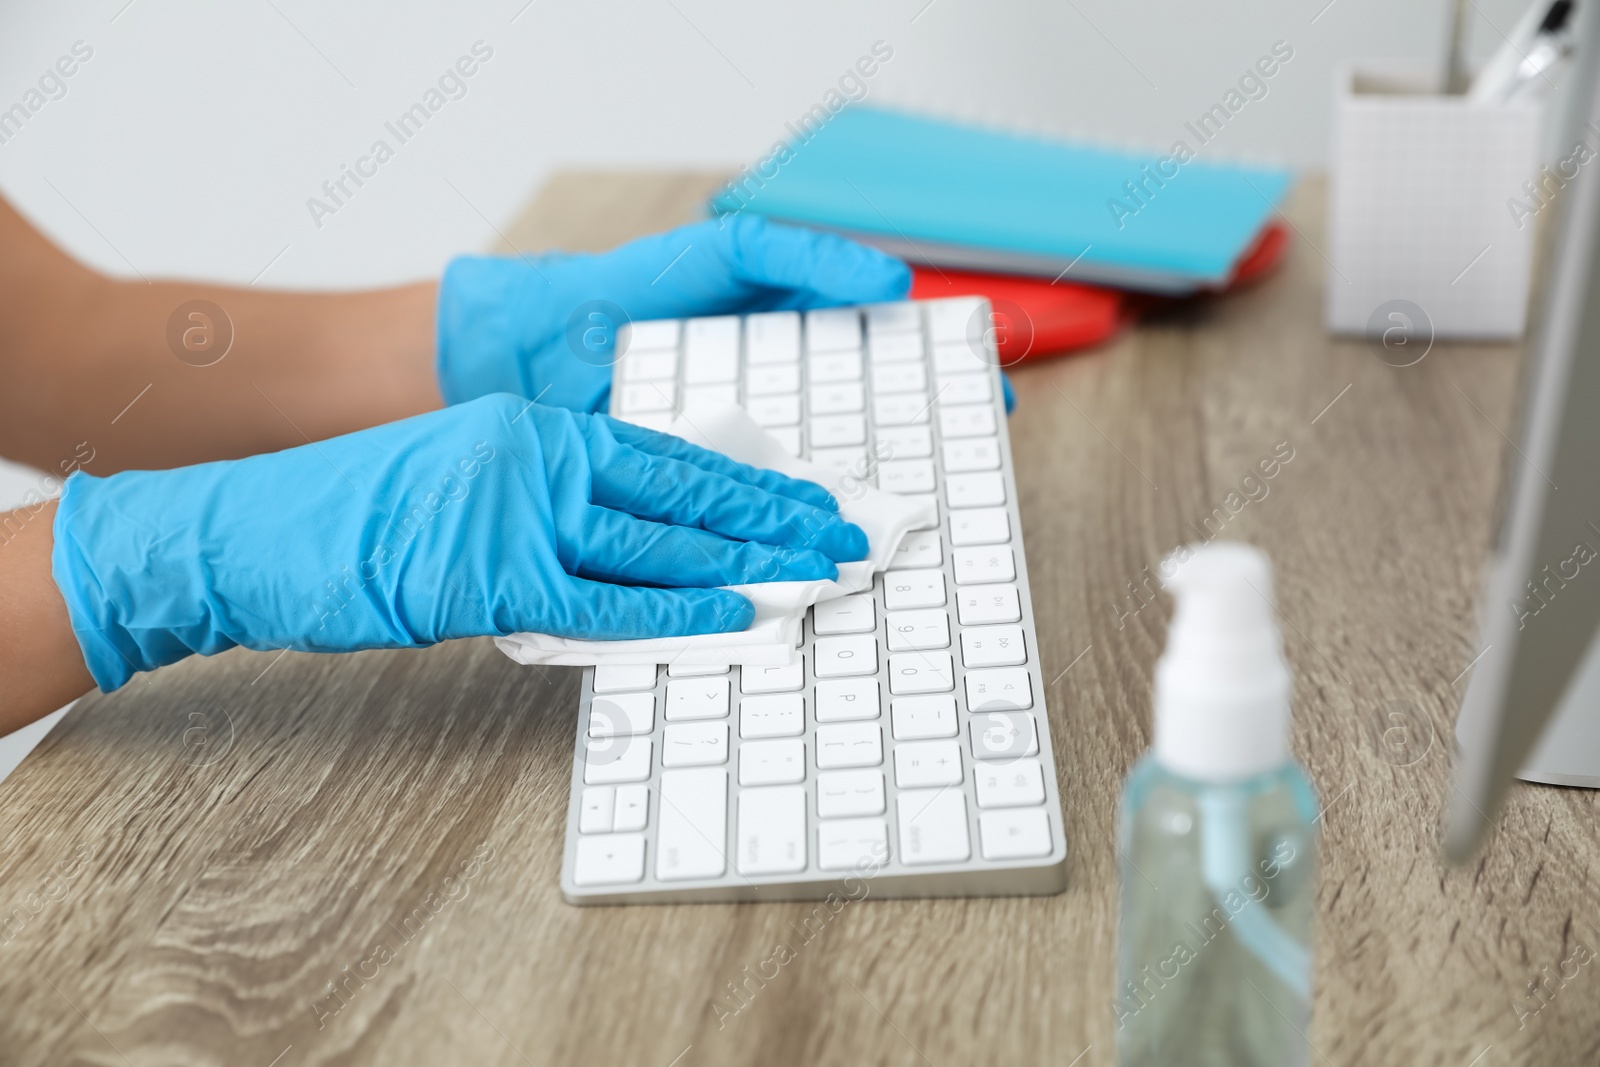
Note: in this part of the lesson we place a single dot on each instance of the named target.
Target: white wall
(190, 141)
(193, 137)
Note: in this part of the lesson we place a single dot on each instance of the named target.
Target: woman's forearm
(172, 373)
(41, 666)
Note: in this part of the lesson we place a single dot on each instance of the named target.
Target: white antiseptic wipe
(773, 638)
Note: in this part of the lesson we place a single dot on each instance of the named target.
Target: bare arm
(89, 377)
(40, 663)
(77, 348)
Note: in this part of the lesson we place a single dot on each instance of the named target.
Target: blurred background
(190, 141)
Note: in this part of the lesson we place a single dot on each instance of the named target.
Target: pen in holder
(1431, 208)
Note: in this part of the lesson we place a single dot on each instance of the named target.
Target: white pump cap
(1222, 686)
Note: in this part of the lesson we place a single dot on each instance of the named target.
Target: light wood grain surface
(190, 863)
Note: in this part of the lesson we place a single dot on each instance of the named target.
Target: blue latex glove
(545, 326)
(491, 517)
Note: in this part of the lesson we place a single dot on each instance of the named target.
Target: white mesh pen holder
(1430, 217)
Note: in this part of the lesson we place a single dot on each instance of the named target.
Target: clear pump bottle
(1217, 838)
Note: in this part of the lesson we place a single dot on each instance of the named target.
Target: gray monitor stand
(1541, 665)
(1568, 753)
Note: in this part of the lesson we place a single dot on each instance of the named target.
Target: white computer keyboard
(907, 749)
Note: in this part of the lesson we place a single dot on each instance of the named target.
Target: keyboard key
(786, 679)
(972, 454)
(845, 615)
(1009, 785)
(1004, 735)
(680, 669)
(834, 367)
(855, 744)
(900, 409)
(711, 350)
(697, 698)
(982, 490)
(853, 459)
(632, 807)
(973, 565)
(915, 589)
(596, 814)
(919, 718)
(838, 398)
(622, 713)
(893, 318)
(617, 759)
(1013, 835)
(699, 396)
(788, 437)
(979, 605)
(916, 631)
(770, 411)
(1007, 689)
(925, 763)
(649, 366)
(919, 550)
(896, 348)
(905, 442)
(933, 826)
(906, 476)
(650, 335)
(772, 337)
(844, 793)
(993, 646)
(832, 431)
(844, 657)
(967, 420)
(775, 715)
(832, 329)
(611, 859)
(692, 840)
(776, 378)
(772, 762)
(952, 319)
(980, 526)
(893, 378)
(958, 358)
(772, 831)
(964, 389)
(921, 672)
(695, 744)
(852, 844)
(618, 679)
(847, 701)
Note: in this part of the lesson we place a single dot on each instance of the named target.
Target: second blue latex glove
(491, 517)
(545, 326)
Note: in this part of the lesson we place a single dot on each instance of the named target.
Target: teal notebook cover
(967, 197)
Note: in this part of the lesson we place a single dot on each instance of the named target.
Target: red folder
(1035, 318)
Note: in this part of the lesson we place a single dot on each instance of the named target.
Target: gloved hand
(545, 326)
(491, 517)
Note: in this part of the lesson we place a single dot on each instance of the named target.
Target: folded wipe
(774, 636)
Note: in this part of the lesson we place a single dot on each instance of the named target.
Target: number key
(916, 589)
(913, 631)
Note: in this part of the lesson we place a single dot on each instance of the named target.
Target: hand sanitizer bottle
(1217, 837)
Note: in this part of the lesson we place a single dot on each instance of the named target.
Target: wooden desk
(212, 846)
